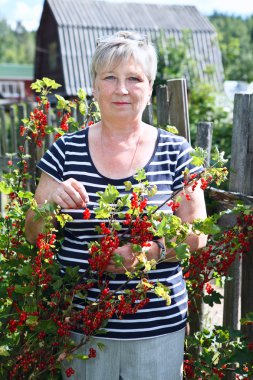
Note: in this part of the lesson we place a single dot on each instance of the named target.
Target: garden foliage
(36, 302)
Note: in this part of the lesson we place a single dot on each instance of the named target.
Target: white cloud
(242, 7)
(28, 14)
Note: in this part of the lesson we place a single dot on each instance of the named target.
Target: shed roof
(102, 14)
(16, 71)
(78, 30)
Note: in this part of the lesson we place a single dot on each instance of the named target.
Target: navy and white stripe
(69, 157)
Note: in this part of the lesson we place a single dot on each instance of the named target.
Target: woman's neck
(118, 131)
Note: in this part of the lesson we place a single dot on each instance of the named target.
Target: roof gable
(102, 14)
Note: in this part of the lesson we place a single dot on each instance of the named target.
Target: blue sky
(29, 11)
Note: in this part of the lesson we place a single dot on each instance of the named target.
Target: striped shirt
(69, 157)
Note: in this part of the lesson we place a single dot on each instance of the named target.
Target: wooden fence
(172, 109)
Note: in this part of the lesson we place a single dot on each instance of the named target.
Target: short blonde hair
(111, 50)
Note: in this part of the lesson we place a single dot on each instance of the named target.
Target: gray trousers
(158, 358)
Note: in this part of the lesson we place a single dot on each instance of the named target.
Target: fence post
(241, 180)
(203, 140)
(147, 116)
(172, 106)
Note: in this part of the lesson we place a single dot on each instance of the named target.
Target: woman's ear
(94, 93)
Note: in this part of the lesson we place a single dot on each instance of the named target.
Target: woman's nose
(121, 87)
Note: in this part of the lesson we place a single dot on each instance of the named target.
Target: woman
(149, 344)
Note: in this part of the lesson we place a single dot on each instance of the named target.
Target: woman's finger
(81, 190)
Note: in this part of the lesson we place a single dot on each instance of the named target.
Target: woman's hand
(68, 194)
(129, 260)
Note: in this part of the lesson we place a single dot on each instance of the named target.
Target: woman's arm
(187, 212)
(68, 194)
(190, 210)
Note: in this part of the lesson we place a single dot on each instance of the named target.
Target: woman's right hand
(69, 194)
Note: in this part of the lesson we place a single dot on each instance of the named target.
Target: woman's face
(122, 91)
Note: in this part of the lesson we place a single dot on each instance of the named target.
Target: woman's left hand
(129, 260)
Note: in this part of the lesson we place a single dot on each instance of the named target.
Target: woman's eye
(134, 79)
(109, 77)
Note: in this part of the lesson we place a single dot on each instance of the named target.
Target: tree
(16, 46)
(236, 43)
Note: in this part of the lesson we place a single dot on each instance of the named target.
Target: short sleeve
(52, 162)
(184, 161)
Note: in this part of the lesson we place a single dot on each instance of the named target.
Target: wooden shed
(15, 81)
(68, 30)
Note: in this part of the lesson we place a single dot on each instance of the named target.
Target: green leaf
(32, 320)
(57, 284)
(248, 319)
(218, 157)
(199, 156)
(26, 270)
(140, 176)
(136, 248)
(23, 289)
(49, 129)
(4, 188)
(128, 185)
(124, 201)
(80, 356)
(82, 108)
(63, 219)
(206, 226)
(213, 298)
(171, 129)
(4, 351)
(37, 85)
(152, 191)
(101, 346)
(118, 260)
(48, 326)
(62, 103)
(182, 251)
(81, 94)
(25, 194)
(109, 195)
(50, 83)
(162, 228)
(102, 213)
(163, 292)
(116, 226)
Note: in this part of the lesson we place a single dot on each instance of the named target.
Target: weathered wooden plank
(240, 145)
(172, 106)
(204, 138)
(228, 199)
(13, 130)
(162, 105)
(147, 116)
(247, 262)
(3, 125)
(178, 106)
(240, 292)
(21, 115)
